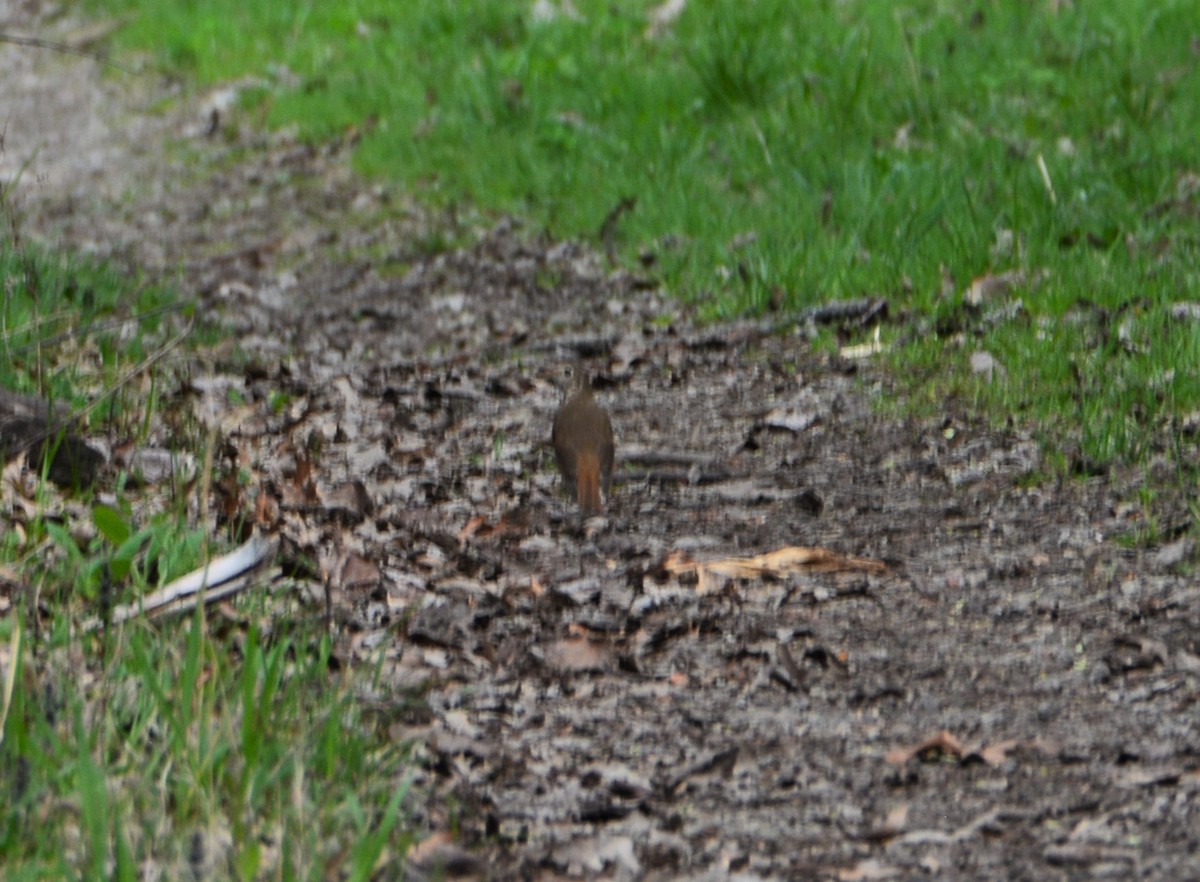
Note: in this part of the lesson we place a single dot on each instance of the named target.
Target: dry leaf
(578, 654)
(266, 512)
(359, 572)
(305, 471)
(663, 16)
(480, 528)
(863, 350)
(985, 288)
(787, 561)
(992, 286)
(865, 871)
(439, 856)
(349, 500)
(943, 743)
(995, 754)
(792, 419)
(893, 825)
(470, 528)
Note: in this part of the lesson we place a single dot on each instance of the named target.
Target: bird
(583, 445)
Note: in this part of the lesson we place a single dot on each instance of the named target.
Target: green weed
(136, 748)
(192, 755)
(782, 155)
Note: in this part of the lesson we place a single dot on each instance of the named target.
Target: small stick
(221, 577)
(64, 48)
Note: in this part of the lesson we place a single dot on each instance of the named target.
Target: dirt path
(591, 710)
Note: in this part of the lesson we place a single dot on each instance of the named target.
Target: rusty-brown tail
(588, 481)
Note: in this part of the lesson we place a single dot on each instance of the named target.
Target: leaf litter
(588, 712)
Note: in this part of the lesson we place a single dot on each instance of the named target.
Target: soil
(992, 683)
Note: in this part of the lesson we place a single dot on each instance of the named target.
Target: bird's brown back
(583, 445)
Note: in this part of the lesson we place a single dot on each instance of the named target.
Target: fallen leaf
(359, 572)
(792, 419)
(994, 285)
(893, 825)
(786, 561)
(995, 754)
(470, 528)
(941, 744)
(439, 856)
(863, 350)
(578, 654)
(590, 857)
(865, 871)
(266, 512)
(510, 524)
(302, 479)
(349, 501)
(153, 465)
(984, 364)
(663, 17)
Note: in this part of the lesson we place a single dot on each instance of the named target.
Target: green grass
(237, 755)
(68, 325)
(189, 749)
(762, 118)
(790, 154)
(779, 153)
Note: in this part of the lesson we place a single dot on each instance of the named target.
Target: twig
(862, 309)
(221, 577)
(65, 49)
(10, 676)
(139, 368)
(94, 327)
(59, 422)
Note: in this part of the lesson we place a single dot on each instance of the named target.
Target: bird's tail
(588, 478)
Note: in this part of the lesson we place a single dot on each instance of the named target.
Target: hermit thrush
(583, 444)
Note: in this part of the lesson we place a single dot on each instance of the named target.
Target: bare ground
(1013, 697)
